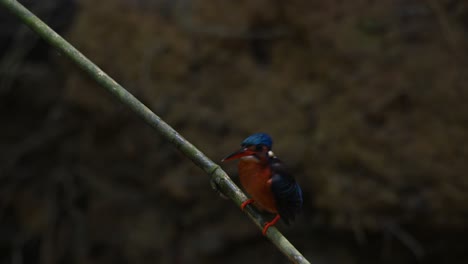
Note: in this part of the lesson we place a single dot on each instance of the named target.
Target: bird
(266, 180)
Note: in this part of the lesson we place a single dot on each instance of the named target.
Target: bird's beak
(238, 154)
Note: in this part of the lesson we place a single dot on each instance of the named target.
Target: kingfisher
(264, 177)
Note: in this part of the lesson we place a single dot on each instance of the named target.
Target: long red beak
(238, 154)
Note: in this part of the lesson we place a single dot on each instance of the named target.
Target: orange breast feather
(256, 180)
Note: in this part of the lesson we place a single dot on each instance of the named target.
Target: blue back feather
(286, 191)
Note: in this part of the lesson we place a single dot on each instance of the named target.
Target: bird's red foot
(246, 202)
(271, 223)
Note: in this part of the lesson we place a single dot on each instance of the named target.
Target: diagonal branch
(218, 176)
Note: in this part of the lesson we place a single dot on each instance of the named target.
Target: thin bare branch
(218, 176)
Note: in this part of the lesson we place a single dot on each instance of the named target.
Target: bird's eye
(258, 147)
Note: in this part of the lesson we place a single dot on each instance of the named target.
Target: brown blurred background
(366, 102)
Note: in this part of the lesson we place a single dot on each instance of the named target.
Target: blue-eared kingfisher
(266, 180)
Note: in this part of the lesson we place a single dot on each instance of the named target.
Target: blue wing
(286, 191)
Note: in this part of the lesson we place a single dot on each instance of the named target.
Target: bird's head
(257, 147)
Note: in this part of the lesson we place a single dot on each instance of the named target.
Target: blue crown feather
(258, 138)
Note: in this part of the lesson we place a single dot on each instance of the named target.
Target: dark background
(366, 102)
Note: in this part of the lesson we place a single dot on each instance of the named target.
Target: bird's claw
(269, 224)
(246, 202)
